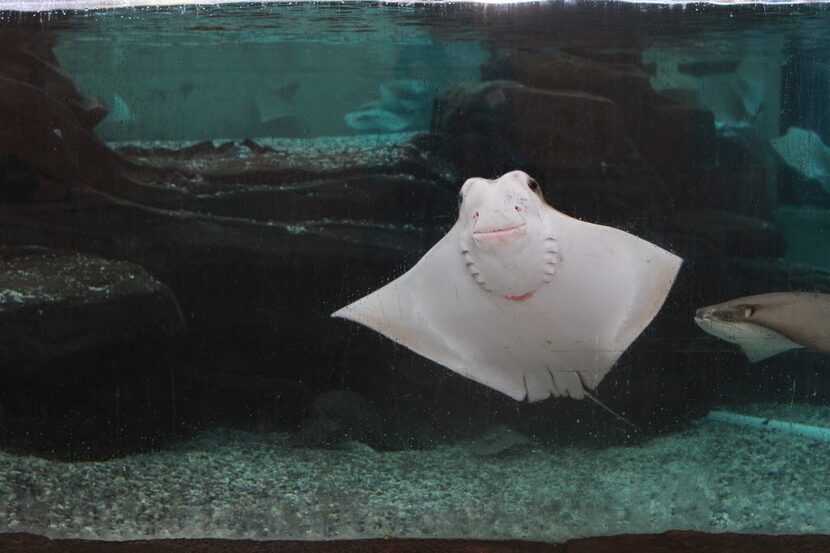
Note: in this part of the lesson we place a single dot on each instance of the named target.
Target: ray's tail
(617, 415)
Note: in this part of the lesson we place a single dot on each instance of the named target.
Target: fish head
(506, 236)
(731, 321)
(728, 312)
(501, 212)
(742, 322)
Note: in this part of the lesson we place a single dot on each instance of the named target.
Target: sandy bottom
(713, 477)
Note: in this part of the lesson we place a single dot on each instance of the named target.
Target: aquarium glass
(189, 193)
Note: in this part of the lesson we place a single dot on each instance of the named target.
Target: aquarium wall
(188, 193)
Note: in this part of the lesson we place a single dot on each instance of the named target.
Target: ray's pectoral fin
(392, 312)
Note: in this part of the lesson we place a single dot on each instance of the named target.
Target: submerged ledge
(670, 542)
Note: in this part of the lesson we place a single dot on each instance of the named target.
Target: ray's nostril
(519, 209)
(475, 215)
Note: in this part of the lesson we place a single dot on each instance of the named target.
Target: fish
(276, 103)
(768, 324)
(371, 119)
(522, 298)
(804, 151)
(404, 96)
(402, 105)
(120, 112)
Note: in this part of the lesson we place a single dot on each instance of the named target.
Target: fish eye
(533, 184)
(460, 198)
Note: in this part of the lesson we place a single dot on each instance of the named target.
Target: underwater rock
(342, 417)
(498, 440)
(47, 122)
(27, 57)
(734, 234)
(233, 393)
(338, 179)
(730, 185)
(665, 131)
(678, 136)
(266, 222)
(575, 143)
(18, 180)
(85, 359)
(57, 303)
(550, 130)
(253, 201)
(611, 48)
(625, 84)
(40, 130)
(49, 136)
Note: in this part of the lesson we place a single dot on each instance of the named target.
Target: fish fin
(120, 112)
(758, 351)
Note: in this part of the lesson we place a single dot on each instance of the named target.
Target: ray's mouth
(500, 233)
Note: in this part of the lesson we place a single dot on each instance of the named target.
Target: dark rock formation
(666, 132)
(677, 137)
(28, 58)
(83, 341)
(574, 142)
(259, 242)
(625, 84)
(566, 130)
(54, 304)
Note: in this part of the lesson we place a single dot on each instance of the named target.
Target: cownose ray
(522, 298)
(769, 324)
